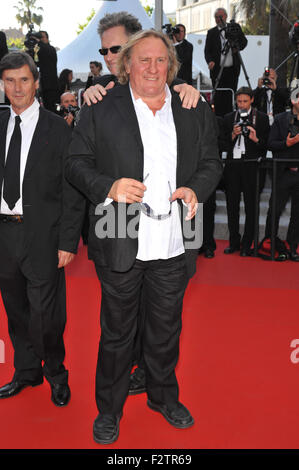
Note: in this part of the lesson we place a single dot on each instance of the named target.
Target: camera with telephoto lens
(170, 30)
(232, 31)
(31, 40)
(64, 111)
(244, 122)
(266, 80)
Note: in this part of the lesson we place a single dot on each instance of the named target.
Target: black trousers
(224, 100)
(163, 284)
(240, 177)
(35, 308)
(287, 186)
(209, 209)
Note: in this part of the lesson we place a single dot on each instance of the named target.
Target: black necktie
(11, 190)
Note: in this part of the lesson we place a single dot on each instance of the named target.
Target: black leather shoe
(176, 414)
(209, 253)
(61, 394)
(106, 428)
(137, 382)
(231, 249)
(294, 256)
(15, 387)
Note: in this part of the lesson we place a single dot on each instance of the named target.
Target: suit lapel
(39, 141)
(126, 109)
(183, 127)
(3, 131)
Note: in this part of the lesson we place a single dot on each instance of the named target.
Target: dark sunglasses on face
(113, 49)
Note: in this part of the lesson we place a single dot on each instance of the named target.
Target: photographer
(47, 63)
(269, 98)
(217, 52)
(184, 51)
(68, 108)
(246, 133)
(284, 143)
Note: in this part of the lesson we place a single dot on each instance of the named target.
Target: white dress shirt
(158, 239)
(29, 120)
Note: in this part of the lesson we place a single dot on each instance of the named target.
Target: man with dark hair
(246, 133)
(184, 50)
(95, 72)
(40, 221)
(47, 63)
(163, 155)
(215, 55)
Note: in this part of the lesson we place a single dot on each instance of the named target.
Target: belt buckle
(18, 218)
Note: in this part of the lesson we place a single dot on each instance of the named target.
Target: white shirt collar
(28, 113)
(138, 101)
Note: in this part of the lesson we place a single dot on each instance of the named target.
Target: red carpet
(235, 370)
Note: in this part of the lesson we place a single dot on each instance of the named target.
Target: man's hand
(64, 258)
(211, 65)
(252, 134)
(69, 119)
(95, 93)
(127, 190)
(237, 130)
(188, 94)
(292, 140)
(189, 197)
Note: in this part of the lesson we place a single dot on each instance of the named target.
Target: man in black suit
(47, 63)
(184, 50)
(114, 31)
(268, 97)
(3, 45)
(215, 46)
(284, 143)
(40, 220)
(132, 181)
(246, 132)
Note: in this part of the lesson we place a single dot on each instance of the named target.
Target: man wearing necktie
(39, 231)
(240, 176)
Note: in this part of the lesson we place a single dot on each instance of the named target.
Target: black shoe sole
(61, 405)
(158, 408)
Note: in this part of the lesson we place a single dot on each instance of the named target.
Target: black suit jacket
(280, 98)
(184, 52)
(3, 45)
(213, 51)
(107, 145)
(262, 128)
(52, 208)
(47, 62)
(277, 140)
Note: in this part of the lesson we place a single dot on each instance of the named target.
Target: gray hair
(126, 53)
(17, 60)
(220, 9)
(122, 18)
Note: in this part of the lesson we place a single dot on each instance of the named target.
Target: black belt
(11, 218)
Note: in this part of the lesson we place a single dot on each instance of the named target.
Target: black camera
(64, 111)
(244, 122)
(170, 30)
(294, 35)
(266, 80)
(31, 40)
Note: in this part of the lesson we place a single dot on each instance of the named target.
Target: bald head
(68, 99)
